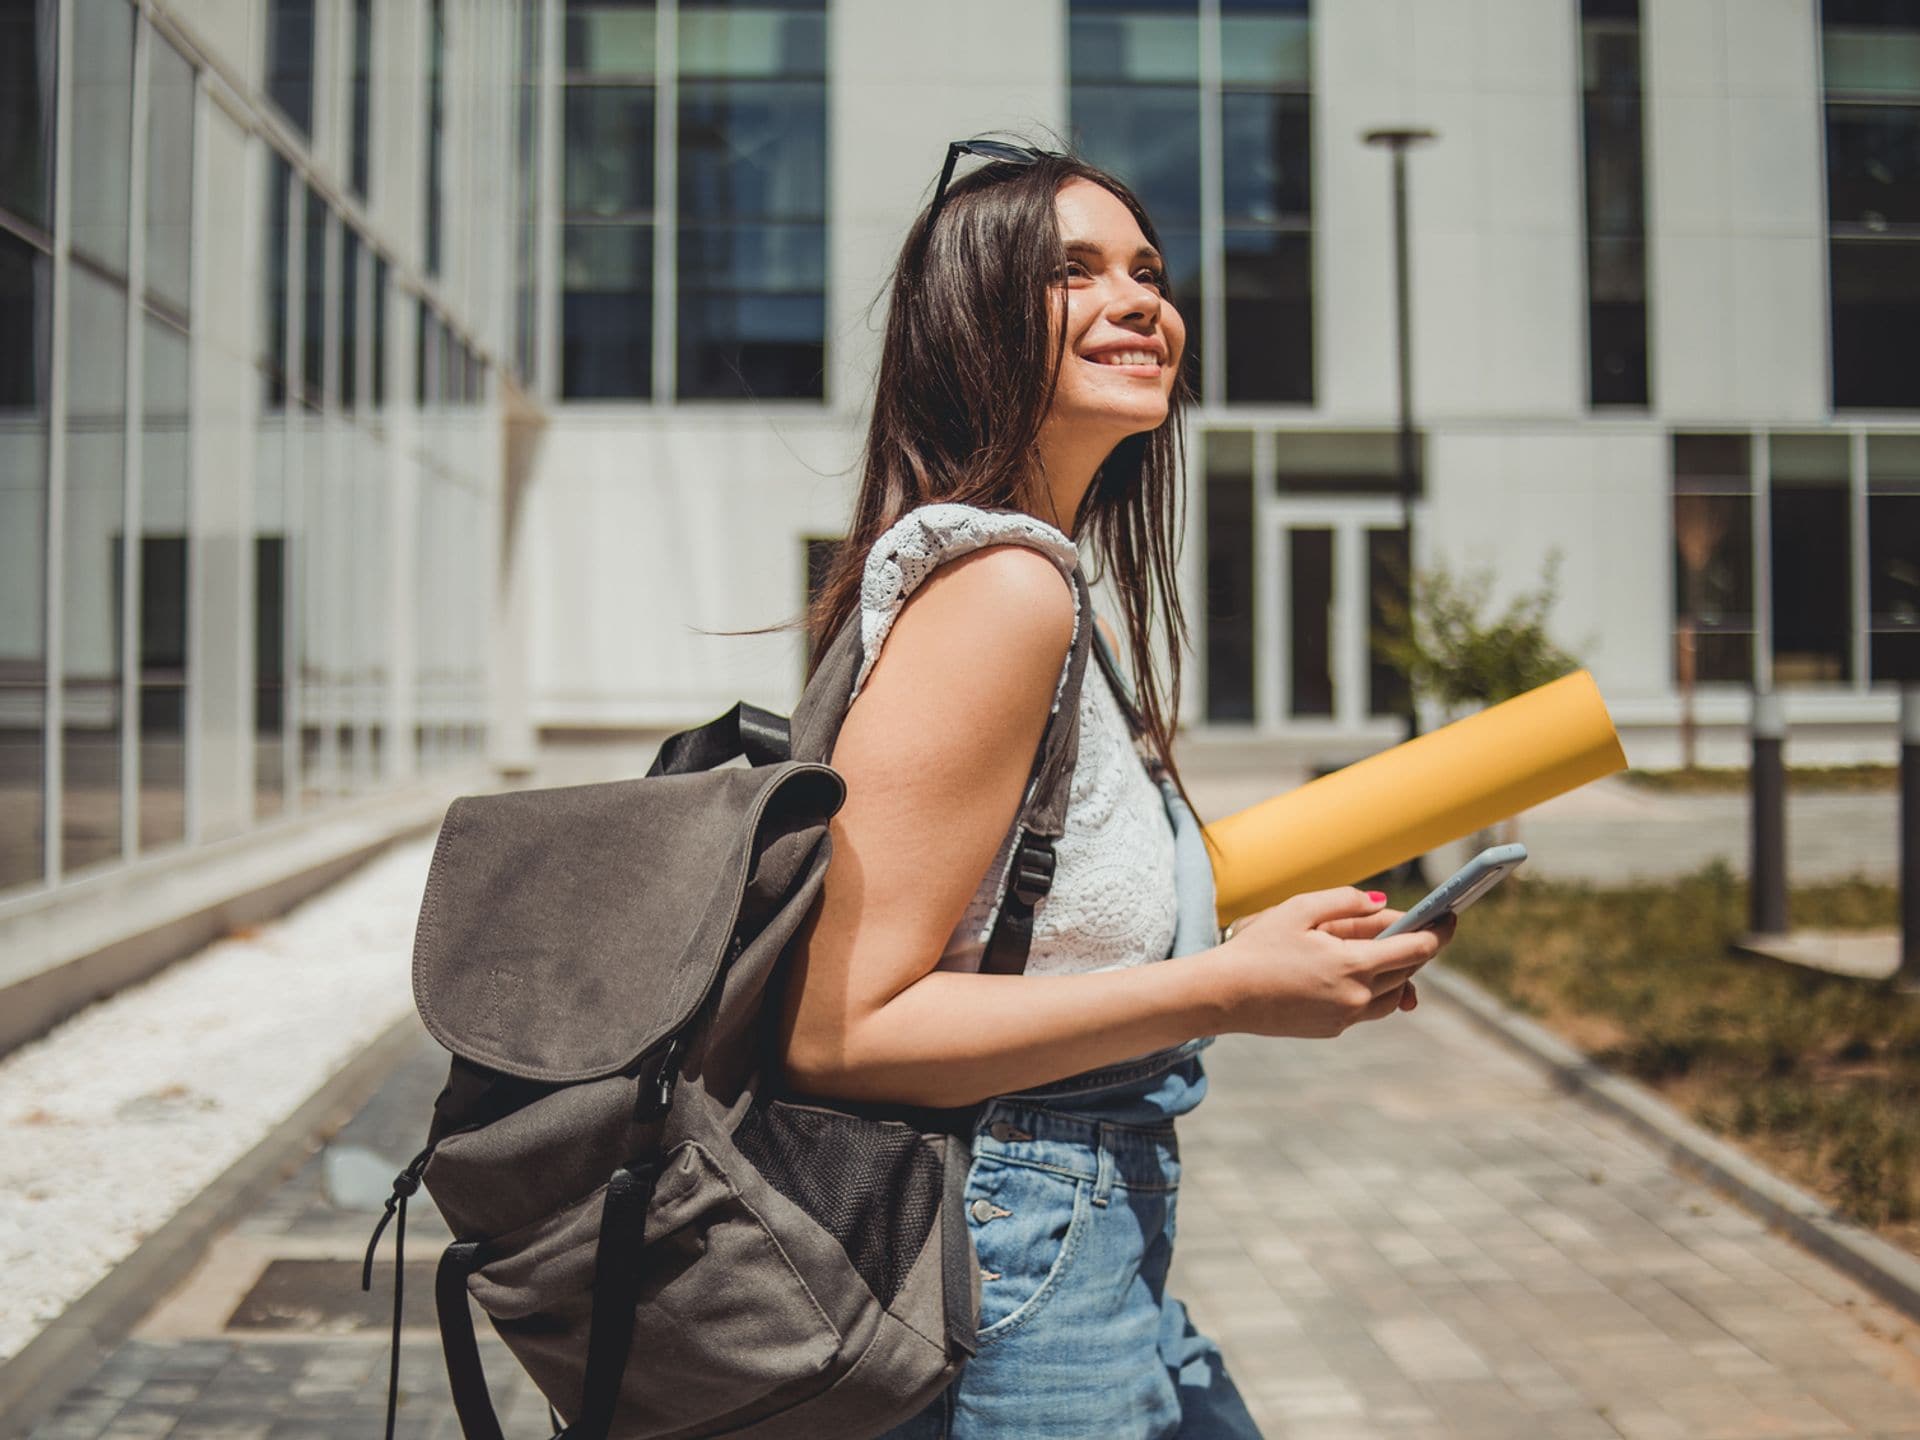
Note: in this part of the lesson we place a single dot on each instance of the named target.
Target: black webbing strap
(468, 1381)
(1030, 872)
(616, 1291)
(762, 736)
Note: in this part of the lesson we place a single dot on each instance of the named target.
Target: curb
(72, 1347)
(1890, 1273)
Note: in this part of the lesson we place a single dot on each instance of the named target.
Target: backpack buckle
(1033, 870)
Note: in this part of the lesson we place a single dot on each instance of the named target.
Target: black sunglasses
(987, 150)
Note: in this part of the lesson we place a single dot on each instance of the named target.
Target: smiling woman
(1026, 418)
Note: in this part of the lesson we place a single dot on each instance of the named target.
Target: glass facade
(127, 675)
(607, 202)
(1713, 557)
(1206, 110)
(290, 42)
(751, 254)
(1615, 157)
(1821, 504)
(730, 217)
(1893, 557)
(1871, 55)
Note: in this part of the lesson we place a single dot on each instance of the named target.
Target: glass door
(1334, 569)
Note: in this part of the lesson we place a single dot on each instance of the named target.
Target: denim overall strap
(1167, 1082)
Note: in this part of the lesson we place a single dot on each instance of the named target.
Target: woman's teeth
(1126, 357)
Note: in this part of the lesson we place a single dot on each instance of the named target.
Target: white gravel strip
(111, 1123)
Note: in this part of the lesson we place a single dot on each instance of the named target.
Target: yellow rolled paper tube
(1403, 802)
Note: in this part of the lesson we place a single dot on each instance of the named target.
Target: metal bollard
(1909, 976)
(1767, 875)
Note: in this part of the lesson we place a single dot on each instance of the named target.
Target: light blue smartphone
(1466, 885)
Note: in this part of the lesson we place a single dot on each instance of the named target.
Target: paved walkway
(1402, 1233)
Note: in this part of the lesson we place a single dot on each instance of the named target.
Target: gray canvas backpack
(667, 1243)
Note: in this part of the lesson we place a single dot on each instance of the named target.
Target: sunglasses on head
(987, 150)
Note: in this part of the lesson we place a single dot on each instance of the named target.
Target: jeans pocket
(1027, 1225)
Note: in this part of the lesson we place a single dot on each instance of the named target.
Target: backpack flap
(567, 931)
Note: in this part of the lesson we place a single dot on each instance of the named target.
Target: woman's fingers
(1361, 927)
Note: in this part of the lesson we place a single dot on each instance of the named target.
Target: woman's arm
(936, 753)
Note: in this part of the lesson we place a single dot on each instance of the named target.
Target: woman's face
(1124, 340)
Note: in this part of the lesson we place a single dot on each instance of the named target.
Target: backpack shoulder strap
(1043, 815)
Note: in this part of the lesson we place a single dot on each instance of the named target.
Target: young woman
(1026, 421)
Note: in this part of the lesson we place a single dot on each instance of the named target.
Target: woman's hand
(1311, 966)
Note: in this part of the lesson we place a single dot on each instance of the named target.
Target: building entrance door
(1332, 566)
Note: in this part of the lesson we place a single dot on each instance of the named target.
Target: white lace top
(1113, 902)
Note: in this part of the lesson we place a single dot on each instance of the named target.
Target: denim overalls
(1071, 1203)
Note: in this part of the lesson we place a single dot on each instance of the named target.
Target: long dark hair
(968, 369)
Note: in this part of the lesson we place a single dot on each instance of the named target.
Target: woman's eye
(1074, 270)
(1156, 278)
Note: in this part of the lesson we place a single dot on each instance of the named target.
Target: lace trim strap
(923, 539)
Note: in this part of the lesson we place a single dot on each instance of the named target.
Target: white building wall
(1497, 247)
(1736, 210)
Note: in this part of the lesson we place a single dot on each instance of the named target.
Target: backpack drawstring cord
(404, 1186)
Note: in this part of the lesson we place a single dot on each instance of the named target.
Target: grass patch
(1817, 1075)
(1801, 779)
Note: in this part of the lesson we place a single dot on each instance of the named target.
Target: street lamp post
(1399, 140)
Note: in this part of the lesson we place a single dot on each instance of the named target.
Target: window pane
(1812, 599)
(1150, 138)
(1871, 62)
(750, 41)
(314, 378)
(169, 176)
(349, 318)
(290, 59)
(1893, 601)
(753, 151)
(273, 304)
(1269, 315)
(1807, 459)
(1230, 598)
(609, 142)
(163, 587)
(1269, 50)
(1268, 149)
(1711, 464)
(90, 590)
(1387, 692)
(1614, 155)
(1713, 581)
(607, 312)
(1893, 462)
(1343, 462)
(526, 164)
(378, 387)
(1873, 165)
(361, 101)
(1141, 48)
(102, 128)
(1310, 621)
(26, 305)
(1876, 312)
(610, 39)
(436, 129)
(752, 314)
(26, 123)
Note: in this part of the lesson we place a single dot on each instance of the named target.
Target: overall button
(1005, 1132)
(984, 1210)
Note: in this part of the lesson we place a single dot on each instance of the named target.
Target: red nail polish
(1378, 897)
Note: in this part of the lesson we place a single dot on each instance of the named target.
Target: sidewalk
(1403, 1233)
